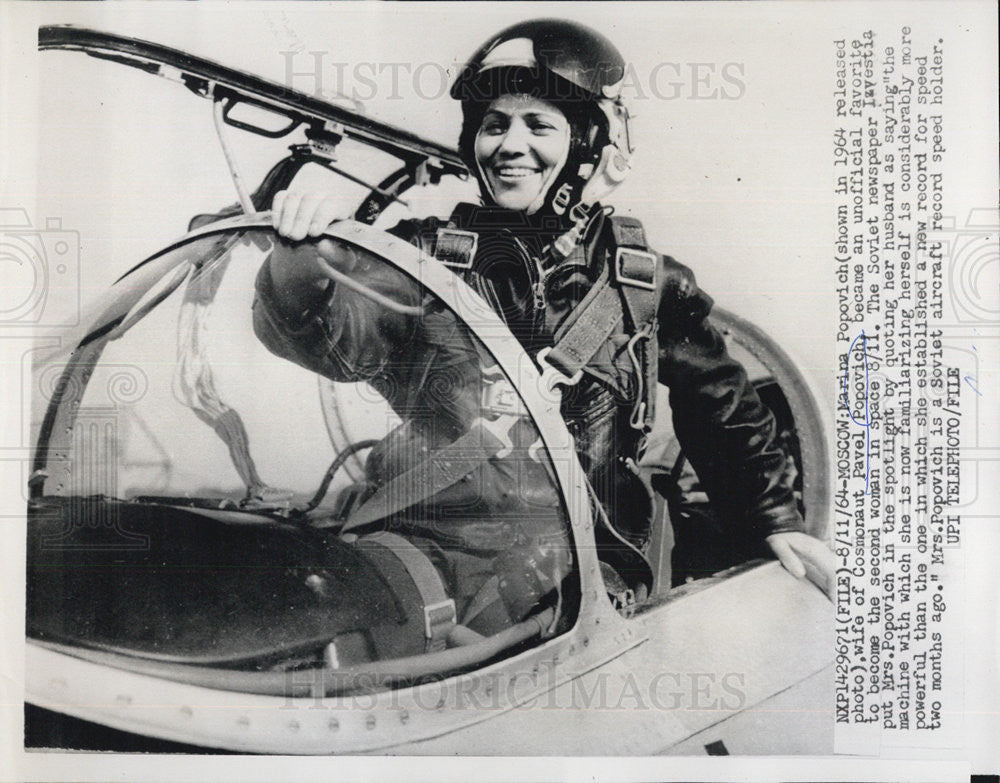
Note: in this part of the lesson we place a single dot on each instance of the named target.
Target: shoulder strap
(629, 287)
(636, 272)
(583, 332)
(634, 268)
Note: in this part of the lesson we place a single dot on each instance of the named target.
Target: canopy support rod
(241, 189)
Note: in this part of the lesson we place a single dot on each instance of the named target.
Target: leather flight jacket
(724, 429)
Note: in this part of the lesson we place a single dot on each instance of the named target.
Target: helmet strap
(599, 178)
(553, 176)
(582, 216)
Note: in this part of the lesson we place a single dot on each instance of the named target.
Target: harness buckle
(636, 268)
(552, 376)
(500, 428)
(439, 618)
(502, 400)
(456, 248)
(638, 418)
(499, 397)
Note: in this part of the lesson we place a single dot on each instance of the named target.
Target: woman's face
(521, 146)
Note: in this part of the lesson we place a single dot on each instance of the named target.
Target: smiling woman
(201, 551)
(521, 147)
(545, 131)
(458, 530)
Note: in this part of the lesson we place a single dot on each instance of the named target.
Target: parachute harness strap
(636, 272)
(628, 287)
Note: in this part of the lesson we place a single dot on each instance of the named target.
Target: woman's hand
(296, 215)
(297, 271)
(806, 557)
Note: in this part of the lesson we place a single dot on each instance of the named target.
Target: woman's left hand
(806, 557)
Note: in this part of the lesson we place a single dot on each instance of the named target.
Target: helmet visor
(573, 52)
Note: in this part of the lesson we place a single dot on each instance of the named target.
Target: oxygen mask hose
(387, 302)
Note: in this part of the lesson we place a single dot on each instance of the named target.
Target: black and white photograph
(607, 385)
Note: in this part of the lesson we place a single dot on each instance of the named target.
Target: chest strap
(584, 331)
(627, 289)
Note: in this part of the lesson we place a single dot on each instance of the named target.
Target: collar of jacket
(535, 232)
